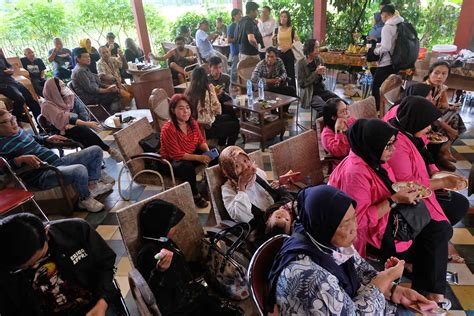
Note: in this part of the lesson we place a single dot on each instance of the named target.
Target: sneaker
(100, 188)
(445, 304)
(91, 205)
(115, 154)
(200, 201)
(105, 178)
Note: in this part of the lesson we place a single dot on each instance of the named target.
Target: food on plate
(436, 138)
(423, 191)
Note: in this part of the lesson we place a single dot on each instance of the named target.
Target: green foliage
(190, 19)
(301, 12)
(158, 28)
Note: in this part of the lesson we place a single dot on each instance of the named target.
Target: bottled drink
(261, 89)
(250, 92)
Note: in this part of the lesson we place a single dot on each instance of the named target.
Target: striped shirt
(26, 144)
(175, 144)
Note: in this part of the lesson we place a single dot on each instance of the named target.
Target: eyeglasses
(12, 120)
(390, 145)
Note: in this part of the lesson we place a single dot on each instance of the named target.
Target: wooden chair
(327, 159)
(363, 109)
(390, 92)
(161, 78)
(215, 180)
(245, 69)
(298, 153)
(19, 70)
(259, 268)
(188, 238)
(159, 108)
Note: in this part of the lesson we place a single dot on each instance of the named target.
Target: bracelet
(394, 286)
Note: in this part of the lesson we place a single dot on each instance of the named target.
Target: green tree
(158, 28)
(190, 19)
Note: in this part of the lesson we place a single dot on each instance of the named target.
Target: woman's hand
(452, 182)
(341, 124)
(391, 262)
(405, 196)
(384, 280)
(99, 309)
(452, 133)
(94, 125)
(164, 263)
(406, 297)
(205, 159)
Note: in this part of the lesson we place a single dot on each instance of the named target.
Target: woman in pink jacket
(367, 178)
(419, 89)
(336, 123)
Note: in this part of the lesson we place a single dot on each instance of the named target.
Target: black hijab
(368, 138)
(321, 210)
(414, 114)
(158, 217)
(419, 89)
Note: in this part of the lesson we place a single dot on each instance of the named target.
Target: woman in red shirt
(183, 144)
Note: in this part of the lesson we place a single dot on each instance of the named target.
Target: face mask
(64, 90)
(340, 255)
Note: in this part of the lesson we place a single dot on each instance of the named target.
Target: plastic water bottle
(261, 89)
(250, 91)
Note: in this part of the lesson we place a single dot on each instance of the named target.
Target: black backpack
(406, 49)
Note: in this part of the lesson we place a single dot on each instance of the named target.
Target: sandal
(456, 259)
(200, 201)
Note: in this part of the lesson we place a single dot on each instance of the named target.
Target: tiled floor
(461, 295)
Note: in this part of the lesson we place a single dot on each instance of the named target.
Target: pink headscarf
(56, 108)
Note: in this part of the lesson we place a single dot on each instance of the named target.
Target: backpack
(406, 49)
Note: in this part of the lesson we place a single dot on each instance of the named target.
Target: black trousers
(381, 73)
(226, 128)
(38, 85)
(86, 137)
(105, 99)
(20, 95)
(429, 255)
(288, 59)
(454, 207)
(283, 89)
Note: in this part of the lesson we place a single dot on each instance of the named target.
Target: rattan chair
(245, 69)
(159, 108)
(300, 154)
(215, 179)
(390, 92)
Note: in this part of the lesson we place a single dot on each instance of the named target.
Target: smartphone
(213, 153)
(293, 177)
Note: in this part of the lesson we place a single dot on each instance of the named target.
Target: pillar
(320, 20)
(464, 37)
(140, 24)
(237, 4)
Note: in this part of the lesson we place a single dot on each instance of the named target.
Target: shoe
(91, 205)
(105, 178)
(446, 165)
(445, 304)
(101, 188)
(200, 202)
(115, 154)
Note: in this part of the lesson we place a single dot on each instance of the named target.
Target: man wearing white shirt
(204, 44)
(266, 26)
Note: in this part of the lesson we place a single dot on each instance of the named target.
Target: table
(224, 49)
(332, 58)
(262, 129)
(137, 114)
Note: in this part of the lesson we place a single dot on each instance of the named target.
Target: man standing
(236, 15)
(266, 26)
(309, 72)
(60, 57)
(35, 67)
(204, 43)
(15, 91)
(385, 49)
(248, 35)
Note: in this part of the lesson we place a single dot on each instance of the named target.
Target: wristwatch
(392, 203)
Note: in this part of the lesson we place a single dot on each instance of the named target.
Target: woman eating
(419, 89)
(451, 123)
(336, 123)
(183, 145)
(411, 160)
(365, 175)
(59, 109)
(284, 36)
(318, 272)
(207, 110)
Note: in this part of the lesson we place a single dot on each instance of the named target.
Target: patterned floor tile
(465, 296)
(461, 236)
(107, 231)
(123, 267)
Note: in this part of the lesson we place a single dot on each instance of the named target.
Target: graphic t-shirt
(58, 296)
(34, 67)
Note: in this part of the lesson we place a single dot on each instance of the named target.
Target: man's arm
(52, 55)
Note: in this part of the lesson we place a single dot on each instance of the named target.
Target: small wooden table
(262, 129)
(137, 114)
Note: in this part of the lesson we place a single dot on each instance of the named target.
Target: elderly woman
(318, 272)
(336, 123)
(60, 109)
(365, 175)
(451, 123)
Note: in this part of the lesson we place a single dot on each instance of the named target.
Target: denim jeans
(233, 69)
(80, 109)
(77, 169)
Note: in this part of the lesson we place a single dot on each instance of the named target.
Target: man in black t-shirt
(35, 67)
(248, 35)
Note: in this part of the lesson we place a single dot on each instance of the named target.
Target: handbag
(226, 266)
(409, 220)
(151, 144)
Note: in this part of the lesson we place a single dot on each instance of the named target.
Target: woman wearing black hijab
(318, 272)
(419, 89)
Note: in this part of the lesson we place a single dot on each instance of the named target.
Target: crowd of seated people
(86, 44)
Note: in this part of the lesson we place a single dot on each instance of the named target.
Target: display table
(342, 59)
(144, 81)
(137, 114)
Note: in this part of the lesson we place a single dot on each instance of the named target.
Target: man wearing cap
(203, 42)
(111, 45)
(248, 35)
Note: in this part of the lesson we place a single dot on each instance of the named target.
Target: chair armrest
(44, 166)
(138, 284)
(187, 68)
(147, 155)
(63, 144)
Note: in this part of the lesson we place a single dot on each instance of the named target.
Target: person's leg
(86, 137)
(431, 258)
(75, 174)
(29, 100)
(233, 70)
(454, 208)
(289, 62)
(185, 170)
(226, 129)
(326, 95)
(11, 92)
(38, 85)
(81, 109)
(381, 73)
(90, 157)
